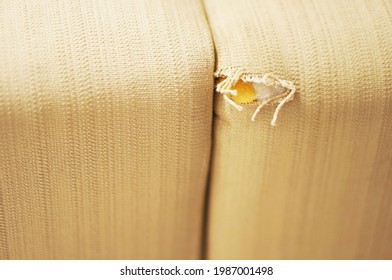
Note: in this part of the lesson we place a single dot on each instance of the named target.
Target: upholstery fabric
(319, 184)
(105, 127)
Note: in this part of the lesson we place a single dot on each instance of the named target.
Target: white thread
(258, 109)
(232, 103)
(289, 97)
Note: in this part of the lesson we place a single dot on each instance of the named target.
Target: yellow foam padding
(245, 92)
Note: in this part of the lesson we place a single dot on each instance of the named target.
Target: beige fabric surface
(319, 184)
(105, 127)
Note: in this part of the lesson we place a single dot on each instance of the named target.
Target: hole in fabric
(244, 87)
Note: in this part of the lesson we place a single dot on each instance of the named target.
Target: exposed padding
(105, 128)
(240, 86)
(318, 185)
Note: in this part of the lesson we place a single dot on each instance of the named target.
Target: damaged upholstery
(108, 114)
(318, 185)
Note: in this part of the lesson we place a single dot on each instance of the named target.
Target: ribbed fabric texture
(105, 127)
(319, 184)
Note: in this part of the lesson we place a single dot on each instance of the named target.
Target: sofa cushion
(318, 184)
(105, 124)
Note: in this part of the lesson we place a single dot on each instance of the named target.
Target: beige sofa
(117, 141)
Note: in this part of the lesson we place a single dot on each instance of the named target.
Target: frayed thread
(233, 74)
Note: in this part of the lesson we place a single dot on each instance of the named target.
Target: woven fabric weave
(105, 127)
(319, 184)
